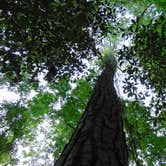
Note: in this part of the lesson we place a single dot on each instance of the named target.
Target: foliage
(145, 57)
(19, 120)
(53, 38)
(70, 113)
(142, 137)
(49, 36)
(12, 122)
(108, 59)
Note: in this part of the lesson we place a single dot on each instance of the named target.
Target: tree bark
(99, 139)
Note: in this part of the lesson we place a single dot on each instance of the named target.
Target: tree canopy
(55, 38)
(50, 36)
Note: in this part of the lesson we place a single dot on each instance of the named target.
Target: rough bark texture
(99, 139)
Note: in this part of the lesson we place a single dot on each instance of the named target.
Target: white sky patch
(40, 137)
(41, 78)
(32, 94)
(6, 95)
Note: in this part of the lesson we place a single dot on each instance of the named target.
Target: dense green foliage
(53, 38)
(50, 36)
(144, 139)
(21, 118)
(146, 57)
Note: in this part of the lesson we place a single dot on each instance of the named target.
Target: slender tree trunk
(99, 139)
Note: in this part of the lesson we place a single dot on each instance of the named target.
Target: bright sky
(6, 95)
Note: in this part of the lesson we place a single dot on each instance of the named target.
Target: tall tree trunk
(99, 139)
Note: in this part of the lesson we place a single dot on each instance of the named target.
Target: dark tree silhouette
(99, 139)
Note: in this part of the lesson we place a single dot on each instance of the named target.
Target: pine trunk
(99, 139)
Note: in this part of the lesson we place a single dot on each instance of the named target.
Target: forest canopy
(62, 40)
